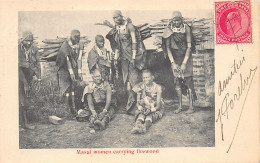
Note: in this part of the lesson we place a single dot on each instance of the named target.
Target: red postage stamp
(233, 22)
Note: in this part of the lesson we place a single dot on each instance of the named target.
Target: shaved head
(117, 13)
(75, 32)
(27, 35)
(118, 17)
(147, 71)
(99, 37)
(96, 75)
(147, 76)
(176, 14)
(100, 41)
(75, 36)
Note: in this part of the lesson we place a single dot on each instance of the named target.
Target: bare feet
(143, 129)
(103, 125)
(91, 125)
(190, 110)
(137, 129)
(178, 110)
(98, 123)
(29, 127)
(73, 111)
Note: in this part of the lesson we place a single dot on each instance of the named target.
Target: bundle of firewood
(48, 52)
(200, 29)
(144, 29)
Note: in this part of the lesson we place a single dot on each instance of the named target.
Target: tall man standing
(69, 62)
(29, 68)
(126, 42)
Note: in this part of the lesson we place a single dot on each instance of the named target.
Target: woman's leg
(179, 94)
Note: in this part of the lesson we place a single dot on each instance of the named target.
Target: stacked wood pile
(201, 29)
(145, 31)
(48, 51)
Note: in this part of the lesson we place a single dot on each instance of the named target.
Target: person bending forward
(99, 97)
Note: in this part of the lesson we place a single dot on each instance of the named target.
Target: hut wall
(204, 77)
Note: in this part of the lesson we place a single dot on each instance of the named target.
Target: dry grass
(45, 101)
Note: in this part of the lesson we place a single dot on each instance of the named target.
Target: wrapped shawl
(178, 46)
(31, 63)
(102, 61)
(98, 92)
(123, 43)
(94, 58)
(99, 96)
(28, 67)
(150, 93)
(65, 50)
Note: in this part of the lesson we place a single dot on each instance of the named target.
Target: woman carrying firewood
(126, 42)
(69, 62)
(177, 44)
(29, 70)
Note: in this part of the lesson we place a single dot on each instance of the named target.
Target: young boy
(98, 58)
(99, 99)
(148, 103)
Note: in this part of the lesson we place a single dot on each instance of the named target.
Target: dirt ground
(181, 130)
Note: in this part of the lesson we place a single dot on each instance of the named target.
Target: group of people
(143, 93)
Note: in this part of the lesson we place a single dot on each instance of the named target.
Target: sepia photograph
(116, 79)
(129, 81)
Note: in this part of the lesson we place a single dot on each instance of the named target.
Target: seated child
(148, 103)
(99, 58)
(99, 101)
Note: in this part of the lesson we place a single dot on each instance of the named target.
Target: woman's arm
(37, 56)
(91, 105)
(188, 51)
(168, 48)
(169, 53)
(132, 32)
(158, 98)
(81, 47)
(108, 98)
(188, 37)
(72, 76)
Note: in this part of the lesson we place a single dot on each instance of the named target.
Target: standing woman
(29, 69)
(69, 62)
(126, 42)
(177, 44)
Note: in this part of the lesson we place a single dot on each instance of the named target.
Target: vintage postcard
(130, 82)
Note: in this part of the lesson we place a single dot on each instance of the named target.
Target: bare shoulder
(138, 87)
(81, 45)
(91, 53)
(107, 85)
(130, 27)
(187, 28)
(158, 87)
(35, 48)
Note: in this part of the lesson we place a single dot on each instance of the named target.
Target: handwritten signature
(230, 100)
